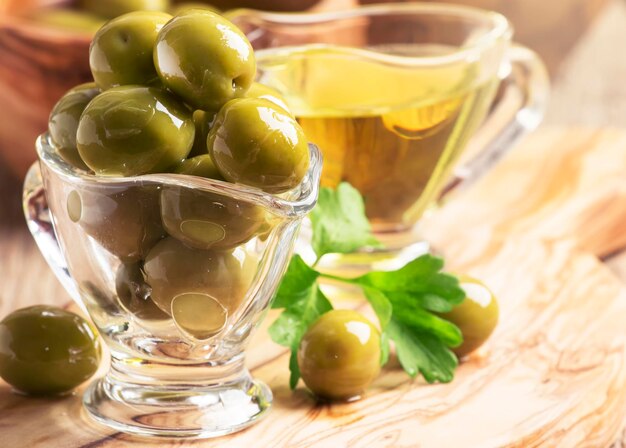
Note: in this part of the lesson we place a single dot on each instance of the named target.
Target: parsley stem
(338, 279)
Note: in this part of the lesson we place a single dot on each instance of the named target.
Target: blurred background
(44, 52)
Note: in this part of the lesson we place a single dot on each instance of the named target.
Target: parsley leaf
(414, 292)
(384, 348)
(295, 284)
(422, 352)
(381, 305)
(303, 302)
(419, 281)
(339, 222)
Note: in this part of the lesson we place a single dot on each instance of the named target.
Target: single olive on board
(63, 122)
(255, 142)
(207, 220)
(214, 282)
(113, 8)
(133, 130)
(121, 51)
(125, 221)
(476, 317)
(204, 59)
(46, 350)
(339, 355)
(134, 293)
(258, 90)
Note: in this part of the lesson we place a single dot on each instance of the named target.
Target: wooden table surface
(581, 237)
(558, 355)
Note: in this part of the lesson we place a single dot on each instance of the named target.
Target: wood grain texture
(589, 89)
(531, 194)
(554, 374)
(617, 263)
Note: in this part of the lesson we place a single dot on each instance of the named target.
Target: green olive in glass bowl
(255, 142)
(63, 122)
(207, 220)
(134, 130)
(204, 58)
(121, 51)
(339, 355)
(200, 166)
(135, 294)
(45, 350)
(200, 289)
(258, 90)
(203, 121)
(125, 221)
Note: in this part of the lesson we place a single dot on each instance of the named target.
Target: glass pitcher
(408, 102)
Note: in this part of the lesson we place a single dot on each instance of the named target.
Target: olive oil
(390, 124)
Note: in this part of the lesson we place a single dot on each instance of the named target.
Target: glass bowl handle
(518, 109)
(40, 224)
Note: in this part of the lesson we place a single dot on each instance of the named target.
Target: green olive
(203, 122)
(201, 166)
(199, 315)
(113, 8)
(211, 283)
(124, 220)
(258, 90)
(186, 6)
(45, 350)
(121, 51)
(476, 317)
(206, 220)
(339, 355)
(133, 130)
(63, 122)
(134, 293)
(204, 59)
(255, 142)
(68, 19)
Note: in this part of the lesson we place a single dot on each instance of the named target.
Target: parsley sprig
(406, 301)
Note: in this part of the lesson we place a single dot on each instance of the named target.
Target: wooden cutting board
(553, 374)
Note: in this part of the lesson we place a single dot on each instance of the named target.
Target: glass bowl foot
(195, 411)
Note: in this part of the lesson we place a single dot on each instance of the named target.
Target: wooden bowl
(39, 64)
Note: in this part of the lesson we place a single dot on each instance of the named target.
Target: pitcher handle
(522, 74)
(40, 224)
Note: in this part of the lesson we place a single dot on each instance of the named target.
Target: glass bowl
(176, 273)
